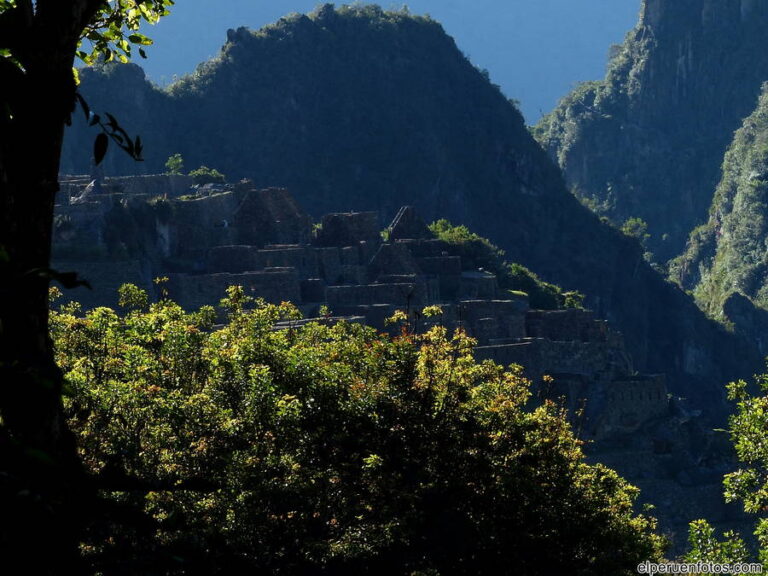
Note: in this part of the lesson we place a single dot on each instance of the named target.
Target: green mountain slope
(730, 253)
(648, 141)
(359, 109)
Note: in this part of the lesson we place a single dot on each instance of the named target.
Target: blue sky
(536, 50)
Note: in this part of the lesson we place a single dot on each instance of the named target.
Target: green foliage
(461, 236)
(727, 254)
(480, 252)
(636, 228)
(131, 297)
(205, 175)
(174, 164)
(115, 29)
(328, 449)
(112, 32)
(748, 484)
(748, 430)
(542, 295)
(705, 547)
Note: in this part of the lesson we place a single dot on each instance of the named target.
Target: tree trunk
(40, 476)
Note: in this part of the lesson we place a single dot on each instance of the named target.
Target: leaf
(140, 39)
(100, 148)
(95, 119)
(112, 122)
(83, 105)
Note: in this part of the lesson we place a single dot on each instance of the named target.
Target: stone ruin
(204, 239)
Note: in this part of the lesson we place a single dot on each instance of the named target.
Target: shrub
(205, 175)
(327, 449)
(175, 164)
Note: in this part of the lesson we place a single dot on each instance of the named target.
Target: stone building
(204, 239)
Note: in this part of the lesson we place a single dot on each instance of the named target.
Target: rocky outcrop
(648, 141)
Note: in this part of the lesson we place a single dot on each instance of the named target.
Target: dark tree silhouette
(41, 485)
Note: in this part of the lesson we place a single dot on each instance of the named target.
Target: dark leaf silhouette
(100, 148)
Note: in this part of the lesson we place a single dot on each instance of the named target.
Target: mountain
(496, 34)
(361, 109)
(648, 141)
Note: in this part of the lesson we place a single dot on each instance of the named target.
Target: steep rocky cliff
(727, 259)
(648, 141)
(359, 109)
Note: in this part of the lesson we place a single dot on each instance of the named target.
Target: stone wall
(348, 229)
(269, 216)
(566, 325)
(168, 185)
(592, 378)
(200, 224)
(274, 285)
(235, 259)
(105, 278)
(401, 295)
(632, 401)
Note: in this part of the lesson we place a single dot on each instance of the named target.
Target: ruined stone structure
(205, 239)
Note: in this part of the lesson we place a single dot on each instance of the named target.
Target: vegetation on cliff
(326, 449)
(481, 252)
(648, 140)
(728, 253)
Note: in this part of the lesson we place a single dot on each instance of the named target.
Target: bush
(515, 278)
(636, 228)
(327, 449)
(174, 164)
(205, 175)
